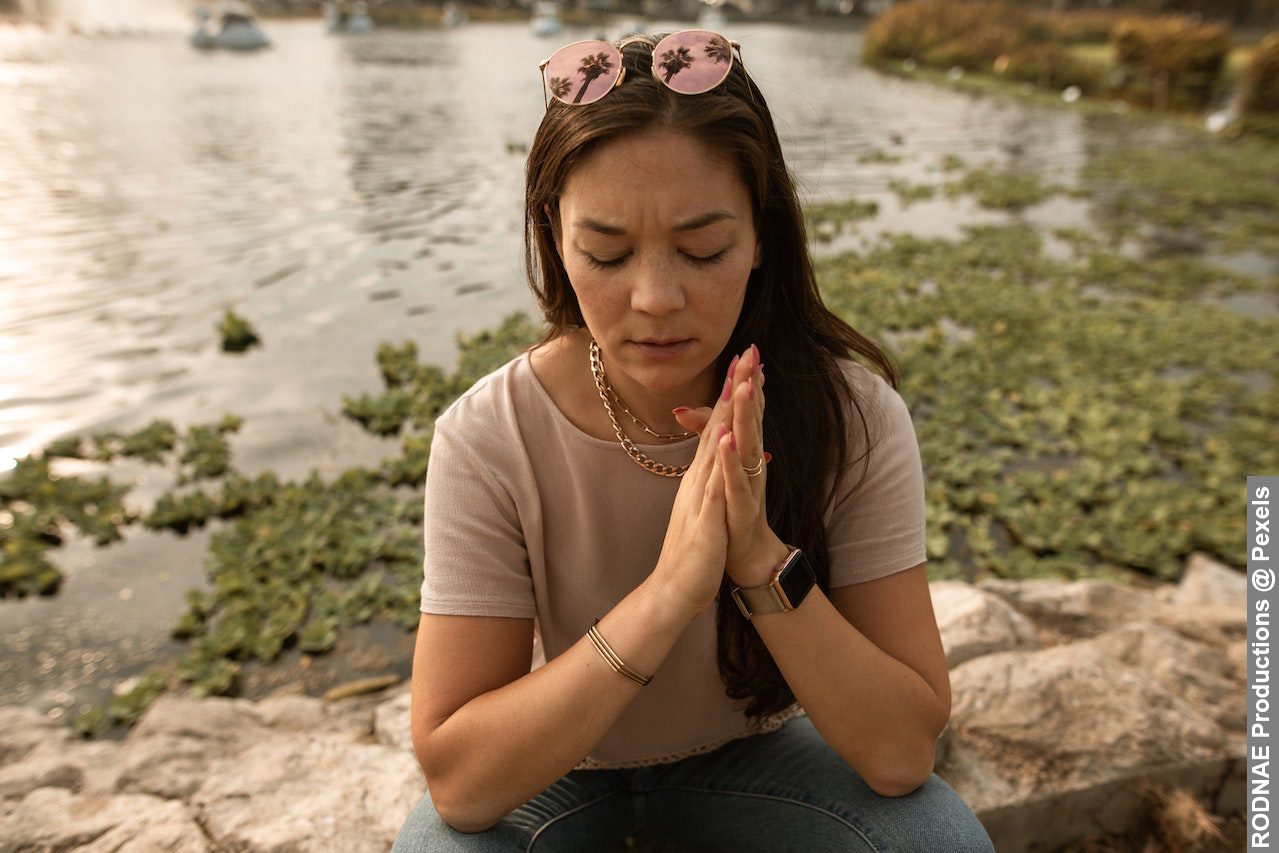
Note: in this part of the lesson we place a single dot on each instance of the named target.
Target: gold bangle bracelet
(606, 651)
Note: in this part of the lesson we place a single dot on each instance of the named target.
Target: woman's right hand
(691, 565)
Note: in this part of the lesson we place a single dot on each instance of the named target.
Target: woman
(609, 565)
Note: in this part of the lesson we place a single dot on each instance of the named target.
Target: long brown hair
(782, 313)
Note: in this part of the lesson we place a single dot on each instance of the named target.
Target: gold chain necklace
(641, 458)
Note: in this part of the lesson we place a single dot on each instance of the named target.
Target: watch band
(790, 583)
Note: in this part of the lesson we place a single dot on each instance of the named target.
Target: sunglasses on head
(689, 62)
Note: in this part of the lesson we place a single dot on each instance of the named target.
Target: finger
(702, 457)
(739, 501)
(694, 420)
(713, 495)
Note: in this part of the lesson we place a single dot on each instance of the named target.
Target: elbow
(456, 818)
(906, 774)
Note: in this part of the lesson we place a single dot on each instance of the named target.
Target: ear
(555, 230)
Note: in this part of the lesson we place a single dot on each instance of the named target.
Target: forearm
(504, 747)
(880, 715)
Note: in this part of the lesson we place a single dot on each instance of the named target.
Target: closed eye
(596, 263)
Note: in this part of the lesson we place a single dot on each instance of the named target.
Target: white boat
(453, 15)
(546, 19)
(352, 18)
(712, 17)
(237, 29)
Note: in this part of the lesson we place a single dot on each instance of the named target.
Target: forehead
(662, 175)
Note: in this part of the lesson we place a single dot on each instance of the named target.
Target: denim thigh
(586, 810)
(788, 790)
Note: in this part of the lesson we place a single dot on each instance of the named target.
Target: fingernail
(732, 441)
(733, 364)
(768, 457)
(679, 410)
(719, 435)
(728, 386)
(750, 391)
(755, 351)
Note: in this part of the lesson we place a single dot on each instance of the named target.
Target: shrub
(1261, 80)
(1083, 25)
(1049, 65)
(1170, 60)
(938, 32)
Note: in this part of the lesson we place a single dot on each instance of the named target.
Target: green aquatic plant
(824, 221)
(1210, 191)
(1002, 190)
(237, 335)
(1059, 433)
(879, 155)
(908, 193)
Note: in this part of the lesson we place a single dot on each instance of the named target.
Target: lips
(661, 341)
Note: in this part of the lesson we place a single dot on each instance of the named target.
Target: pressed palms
(675, 61)
(590, 68)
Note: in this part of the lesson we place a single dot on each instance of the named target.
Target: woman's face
(658, 241)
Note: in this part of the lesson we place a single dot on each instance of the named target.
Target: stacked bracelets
(613, 660)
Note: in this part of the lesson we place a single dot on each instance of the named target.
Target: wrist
(766, 559)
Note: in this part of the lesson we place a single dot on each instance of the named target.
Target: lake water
(337, 192)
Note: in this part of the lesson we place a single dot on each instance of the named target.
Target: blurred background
(248, 252)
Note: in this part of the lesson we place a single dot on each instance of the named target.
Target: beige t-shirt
(528, 516)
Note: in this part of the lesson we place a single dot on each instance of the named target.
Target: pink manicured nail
(755, 350)
(678, 410)
(720, 435)
(768, 457)
(732, 364)
(732, 441)
(728, 386)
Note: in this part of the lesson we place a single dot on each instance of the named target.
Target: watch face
(797, 579)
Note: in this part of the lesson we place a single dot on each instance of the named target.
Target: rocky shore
(1082, 711)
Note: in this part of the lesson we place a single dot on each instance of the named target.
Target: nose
(657, 288)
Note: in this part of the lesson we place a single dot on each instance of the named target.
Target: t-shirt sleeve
(475, 562)
(877, 528)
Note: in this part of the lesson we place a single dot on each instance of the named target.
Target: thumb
(694, 420)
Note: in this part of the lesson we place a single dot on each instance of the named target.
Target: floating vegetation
(879, 155)
(237, 334)
(297, 561)
(1054, 441)
(908, 193)
(1002, 190)
(824, 221)
(1206, 189)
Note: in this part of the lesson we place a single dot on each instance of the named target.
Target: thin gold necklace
(641, 458)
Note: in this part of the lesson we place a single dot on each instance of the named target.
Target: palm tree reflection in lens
(590, 68)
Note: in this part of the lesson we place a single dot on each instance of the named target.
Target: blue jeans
(782, 790)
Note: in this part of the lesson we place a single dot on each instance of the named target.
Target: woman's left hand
(754, 550)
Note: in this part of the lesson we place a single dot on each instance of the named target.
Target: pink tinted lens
(583, 72)
(692, 61)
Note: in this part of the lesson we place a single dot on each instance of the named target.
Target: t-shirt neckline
(568, 426)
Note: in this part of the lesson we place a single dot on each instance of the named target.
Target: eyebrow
(691, 225)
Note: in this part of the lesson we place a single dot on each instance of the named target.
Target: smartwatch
(791, 581)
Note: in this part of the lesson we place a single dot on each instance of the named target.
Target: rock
(974, 622)
(23, 729)
(294, 792)
(57, 819)
(221, 721)
(392, 724)
(1206, 581)
(1066, 610)
(1069, 697)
